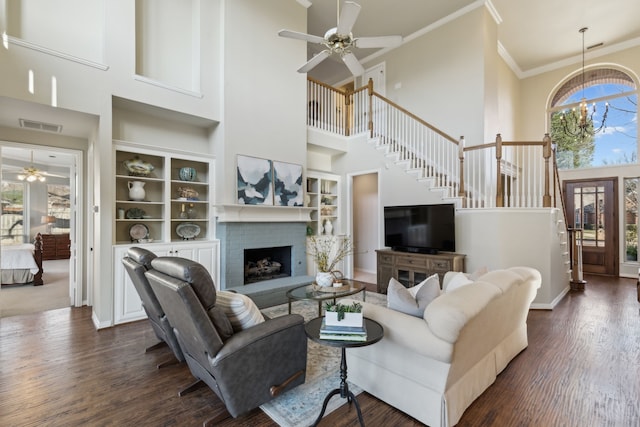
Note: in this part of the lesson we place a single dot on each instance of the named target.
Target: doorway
(365, 229)
(592, 205)
(44, 199)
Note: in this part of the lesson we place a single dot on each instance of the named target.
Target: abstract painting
(287, 184)
(254, 181)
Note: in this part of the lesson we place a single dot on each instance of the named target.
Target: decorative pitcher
(136, 190)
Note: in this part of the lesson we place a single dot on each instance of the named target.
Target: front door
(592, 206)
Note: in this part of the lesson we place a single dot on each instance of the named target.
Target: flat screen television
(420, 228)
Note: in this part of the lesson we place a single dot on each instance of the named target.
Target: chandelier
(31, 174)
(579, 124)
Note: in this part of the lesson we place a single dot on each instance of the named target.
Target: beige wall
(440, 76)
(536, 91)
(264, 97)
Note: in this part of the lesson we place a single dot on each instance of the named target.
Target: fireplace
(266, 264)
(238, 237)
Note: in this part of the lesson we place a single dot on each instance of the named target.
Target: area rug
(301, 405)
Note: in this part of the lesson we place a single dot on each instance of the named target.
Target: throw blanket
(19, 257)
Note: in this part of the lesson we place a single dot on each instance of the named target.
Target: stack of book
(343, 333)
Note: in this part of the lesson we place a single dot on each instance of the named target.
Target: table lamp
(49, 220)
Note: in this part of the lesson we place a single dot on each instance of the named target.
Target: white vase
(328, 227)
(136, 190)
(324, 279)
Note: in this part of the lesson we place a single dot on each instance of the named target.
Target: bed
(22, 263)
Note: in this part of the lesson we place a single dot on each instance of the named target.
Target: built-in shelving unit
(169, 201)
(323, 196)
(177, 212)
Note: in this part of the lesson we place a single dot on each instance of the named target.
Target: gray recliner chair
(137, 262)
(245, 368)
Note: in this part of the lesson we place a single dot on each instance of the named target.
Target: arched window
(611, 95)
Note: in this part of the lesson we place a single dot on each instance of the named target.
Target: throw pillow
(241, 311)
(412, 301)
(220, 322)
(457, 281)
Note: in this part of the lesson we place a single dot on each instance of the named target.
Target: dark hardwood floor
(582, 368)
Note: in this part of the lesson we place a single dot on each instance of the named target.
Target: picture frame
(254, 181)
(287, 184)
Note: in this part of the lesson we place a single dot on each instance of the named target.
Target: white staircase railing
(496, 174)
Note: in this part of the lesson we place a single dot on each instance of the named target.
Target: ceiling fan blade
(348, 16)
(300, 36)
(353, 64)
(314, 61)
(382, 41)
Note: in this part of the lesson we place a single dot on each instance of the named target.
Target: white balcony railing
(495, 174)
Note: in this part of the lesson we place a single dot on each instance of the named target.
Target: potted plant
(343, 314)
(327, 252)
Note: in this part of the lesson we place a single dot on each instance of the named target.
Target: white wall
(247, 82)
(365, 221)
(440, 76)
(55, 25)
(396, 186)
(264, 97)
(501, 238)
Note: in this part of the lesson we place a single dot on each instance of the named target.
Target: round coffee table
(311, 292)
(374, 334)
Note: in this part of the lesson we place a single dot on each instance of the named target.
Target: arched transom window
(585, 140)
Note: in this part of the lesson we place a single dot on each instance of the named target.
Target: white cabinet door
(127, 305)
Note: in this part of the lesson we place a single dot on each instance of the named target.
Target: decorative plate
(138, 232)
(135, 213)
(188, 230)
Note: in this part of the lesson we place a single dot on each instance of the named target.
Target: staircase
(464, 175)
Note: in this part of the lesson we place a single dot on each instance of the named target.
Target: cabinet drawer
(440, 265)
(385, 259)
(411, 261)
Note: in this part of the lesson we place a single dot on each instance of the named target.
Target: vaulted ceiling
(535, 34)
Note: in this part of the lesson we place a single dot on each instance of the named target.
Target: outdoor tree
(572, 152)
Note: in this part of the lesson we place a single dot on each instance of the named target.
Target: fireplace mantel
(260, 213)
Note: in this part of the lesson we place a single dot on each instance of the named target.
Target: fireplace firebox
(266, 263)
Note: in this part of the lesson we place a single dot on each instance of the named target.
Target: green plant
(328, 251)
(341, 309)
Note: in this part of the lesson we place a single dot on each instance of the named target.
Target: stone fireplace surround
(236, 236)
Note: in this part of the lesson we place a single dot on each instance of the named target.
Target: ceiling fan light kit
(31, 173)
(339, 41)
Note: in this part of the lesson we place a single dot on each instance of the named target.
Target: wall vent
(46, 127)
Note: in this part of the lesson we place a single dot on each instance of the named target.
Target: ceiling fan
(29, 173)
(340, 41)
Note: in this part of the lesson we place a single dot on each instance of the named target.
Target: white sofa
(434, 367)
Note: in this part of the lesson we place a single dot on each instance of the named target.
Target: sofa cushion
(241, 311)
(456, 281)
(414, 300)
(448, 314)
(478, 273)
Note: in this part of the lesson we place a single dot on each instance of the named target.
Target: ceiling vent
(46, 127)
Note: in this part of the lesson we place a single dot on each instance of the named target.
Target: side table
(374, 334)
